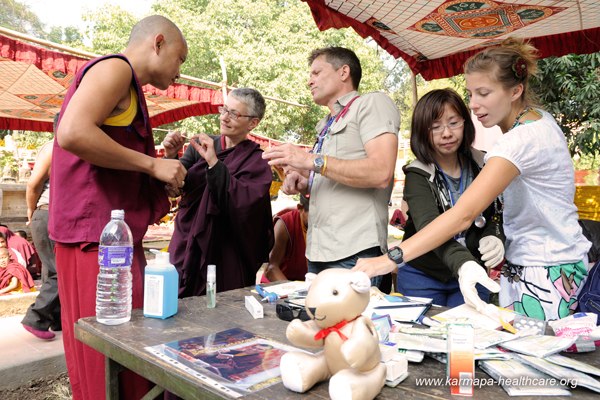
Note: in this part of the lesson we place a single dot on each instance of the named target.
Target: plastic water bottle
(115, 255)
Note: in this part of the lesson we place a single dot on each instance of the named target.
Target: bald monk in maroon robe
(225, 210)
(103, 159)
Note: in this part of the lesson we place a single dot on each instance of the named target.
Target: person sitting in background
(22, 233)
(287, 260)
(14, 278)
(15, 255)
(24, 249)
(441, 138)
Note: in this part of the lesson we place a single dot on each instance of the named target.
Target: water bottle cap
(211, 271)
(162, 258)
(117, 214)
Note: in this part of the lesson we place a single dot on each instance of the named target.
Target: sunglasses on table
(288, 312)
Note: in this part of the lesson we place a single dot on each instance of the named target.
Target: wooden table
(124, 345)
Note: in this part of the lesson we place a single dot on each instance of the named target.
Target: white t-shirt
(540, 217)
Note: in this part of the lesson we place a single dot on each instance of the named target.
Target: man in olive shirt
(349, 174)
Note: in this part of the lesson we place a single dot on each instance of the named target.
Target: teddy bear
(350, 358)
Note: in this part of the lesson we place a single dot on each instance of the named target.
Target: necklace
(525, 111)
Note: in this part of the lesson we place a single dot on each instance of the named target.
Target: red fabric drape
(177, 102)
(580, 42)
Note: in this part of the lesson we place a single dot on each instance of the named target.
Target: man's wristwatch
(396, 255)
(318, 163)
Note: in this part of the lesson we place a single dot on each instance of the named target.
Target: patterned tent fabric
(436, 37)
(33, 81)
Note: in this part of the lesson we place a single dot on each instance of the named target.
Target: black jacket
(426, 201)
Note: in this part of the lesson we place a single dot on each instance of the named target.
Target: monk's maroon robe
(14, 269)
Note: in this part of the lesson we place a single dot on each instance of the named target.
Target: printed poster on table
(235, 361)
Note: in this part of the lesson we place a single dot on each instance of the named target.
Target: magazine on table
(235, 362)
(518, 379)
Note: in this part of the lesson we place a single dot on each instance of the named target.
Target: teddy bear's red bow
(323, 333)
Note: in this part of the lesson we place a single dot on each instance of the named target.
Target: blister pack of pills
(531, 326)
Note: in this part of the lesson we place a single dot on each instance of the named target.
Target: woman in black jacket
(442, 134)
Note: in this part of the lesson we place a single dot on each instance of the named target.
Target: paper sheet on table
(539, 345)
(516, 378)
(573, 364)
(399, 313)
(467, 314)
(571, 376)
(287, 288)
(420, 343)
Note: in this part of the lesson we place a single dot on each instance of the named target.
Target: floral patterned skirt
(545, 293)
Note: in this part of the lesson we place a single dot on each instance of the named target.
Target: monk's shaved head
(151, 26)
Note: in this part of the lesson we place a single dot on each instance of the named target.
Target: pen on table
(424, 320)
(292, 296)
(266, 296)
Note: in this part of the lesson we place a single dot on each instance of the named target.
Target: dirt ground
(50, 388)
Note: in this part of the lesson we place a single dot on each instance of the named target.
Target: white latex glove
(492, 250)
(469, 274)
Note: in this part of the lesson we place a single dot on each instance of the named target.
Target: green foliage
(264, 44)
(109, 27)
(569, 88)
(20, 18)
(69, 36)
(31, 140)
(400, 84)
(8, 159)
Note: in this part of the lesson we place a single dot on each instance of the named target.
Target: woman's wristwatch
(396, 255)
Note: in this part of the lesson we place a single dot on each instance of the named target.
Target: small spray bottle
(211, 287)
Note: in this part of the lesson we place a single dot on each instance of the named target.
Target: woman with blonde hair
(530, 165)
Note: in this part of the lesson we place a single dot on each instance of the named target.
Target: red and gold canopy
(436, 37)
(34, 80)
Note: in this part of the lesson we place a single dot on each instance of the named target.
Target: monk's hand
(294, 183)
(375, 266)
(171, 172)
(205, 146)
(172, 143)
(289, 155)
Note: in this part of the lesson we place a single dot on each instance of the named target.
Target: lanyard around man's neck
(334, 118)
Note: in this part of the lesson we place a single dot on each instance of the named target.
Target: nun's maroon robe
(224, 218)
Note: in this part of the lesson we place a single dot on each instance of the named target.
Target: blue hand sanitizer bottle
(161, 286)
